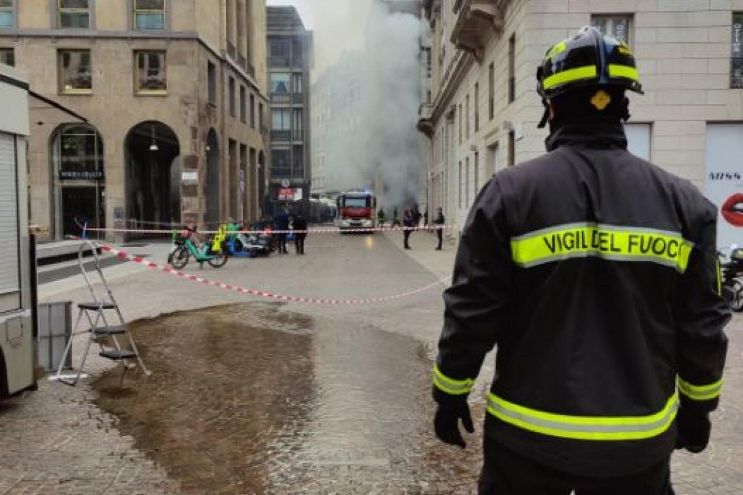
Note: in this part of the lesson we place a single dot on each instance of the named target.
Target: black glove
(693, 430)
(446, 421)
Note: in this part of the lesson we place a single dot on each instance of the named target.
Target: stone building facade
(484, 110)
(290, 59)
(174, 95)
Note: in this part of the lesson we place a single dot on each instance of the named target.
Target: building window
(232, 102)
(477, 173)
(243, 104)
(736, 61)
(211, 77)
(616, 26)
(279, 53)
(460, 123)
(467, 182)
(7, 56)
(511, 148)
(260, 116)
(491, 91)
(477, 107)
(467, 117)
(281, 163)
(7, 14)
(151, 74)
(297, 83)
(149, 14)
(252, 111)
(280, 119)
(280, 83)
(75, 72)
(460, 184)
(73, 14)
(298, 124)
(512, 68)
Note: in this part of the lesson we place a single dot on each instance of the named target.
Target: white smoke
(371, 139)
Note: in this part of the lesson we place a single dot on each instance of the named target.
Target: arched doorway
(78, 179)
(211, 185)
(152, 175)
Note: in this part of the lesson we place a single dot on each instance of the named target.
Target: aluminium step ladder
(100, 331)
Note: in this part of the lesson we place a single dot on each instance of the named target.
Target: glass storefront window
(80, 155)
(151, 76)
(75, 72)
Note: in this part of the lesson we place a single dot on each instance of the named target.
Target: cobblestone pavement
(57, 440)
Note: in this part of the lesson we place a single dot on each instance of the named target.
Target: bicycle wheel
(179, 259)
(218, 260)
(736, 299)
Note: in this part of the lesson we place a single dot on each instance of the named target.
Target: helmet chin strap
(546, 116)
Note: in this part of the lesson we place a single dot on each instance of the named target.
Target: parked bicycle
(186, 244)
(732, 271)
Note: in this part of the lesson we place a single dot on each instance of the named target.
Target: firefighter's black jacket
(595, 273)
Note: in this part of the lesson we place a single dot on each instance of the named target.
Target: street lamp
(154, 147)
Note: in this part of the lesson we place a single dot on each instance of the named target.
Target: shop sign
(81, 175)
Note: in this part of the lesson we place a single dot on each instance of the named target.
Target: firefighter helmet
(587, 59)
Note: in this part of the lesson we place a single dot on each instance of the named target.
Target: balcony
(280, 136)
(425, 119)
(477, 21)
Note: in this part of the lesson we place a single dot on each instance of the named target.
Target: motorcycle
(732, 269)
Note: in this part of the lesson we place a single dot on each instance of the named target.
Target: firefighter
(595, 274)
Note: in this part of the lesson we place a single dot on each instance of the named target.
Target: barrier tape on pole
(123, 255)
(309, 231)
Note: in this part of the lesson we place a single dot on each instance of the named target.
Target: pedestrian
(408, 223)
(416, 215)
(282, 226)
(596, 275)
(439, 222)
(380, 217)
(425, 217)
(300, 232)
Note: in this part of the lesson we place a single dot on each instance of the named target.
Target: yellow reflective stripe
(718, 270)
(596, 428)
(557, 49)
(624, 71)
(570, 75)
(450, 385)
(700, 392)
(634, 244)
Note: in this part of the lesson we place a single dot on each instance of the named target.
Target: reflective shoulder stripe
(624, 71)
(700, 392)
(595, 428)
(450, 385)
(570, 75)
(634, 244)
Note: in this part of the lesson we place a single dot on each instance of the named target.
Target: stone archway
(153, 170)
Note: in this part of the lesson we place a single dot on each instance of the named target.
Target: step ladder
(106, 335)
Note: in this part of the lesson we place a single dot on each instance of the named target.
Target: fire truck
(356, 210)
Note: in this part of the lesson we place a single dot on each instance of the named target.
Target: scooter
(187, 245)
(732, 271)
(250, 245)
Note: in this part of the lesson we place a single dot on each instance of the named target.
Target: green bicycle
(186, 245)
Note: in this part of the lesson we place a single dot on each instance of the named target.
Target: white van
(17, 353)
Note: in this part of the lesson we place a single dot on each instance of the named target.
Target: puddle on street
(253, 399)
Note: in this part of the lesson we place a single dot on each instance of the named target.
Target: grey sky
(338, 25)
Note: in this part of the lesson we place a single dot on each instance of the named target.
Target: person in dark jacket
(408, 223)
(300, 232)
(282, 225)
(595, 274)
(439, 223)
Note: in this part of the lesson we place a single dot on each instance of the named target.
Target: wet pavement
(253, 398)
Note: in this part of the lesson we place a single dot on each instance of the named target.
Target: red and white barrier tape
(123, 255)
(309, 231)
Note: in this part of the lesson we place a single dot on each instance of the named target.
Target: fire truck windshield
(356, 202)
